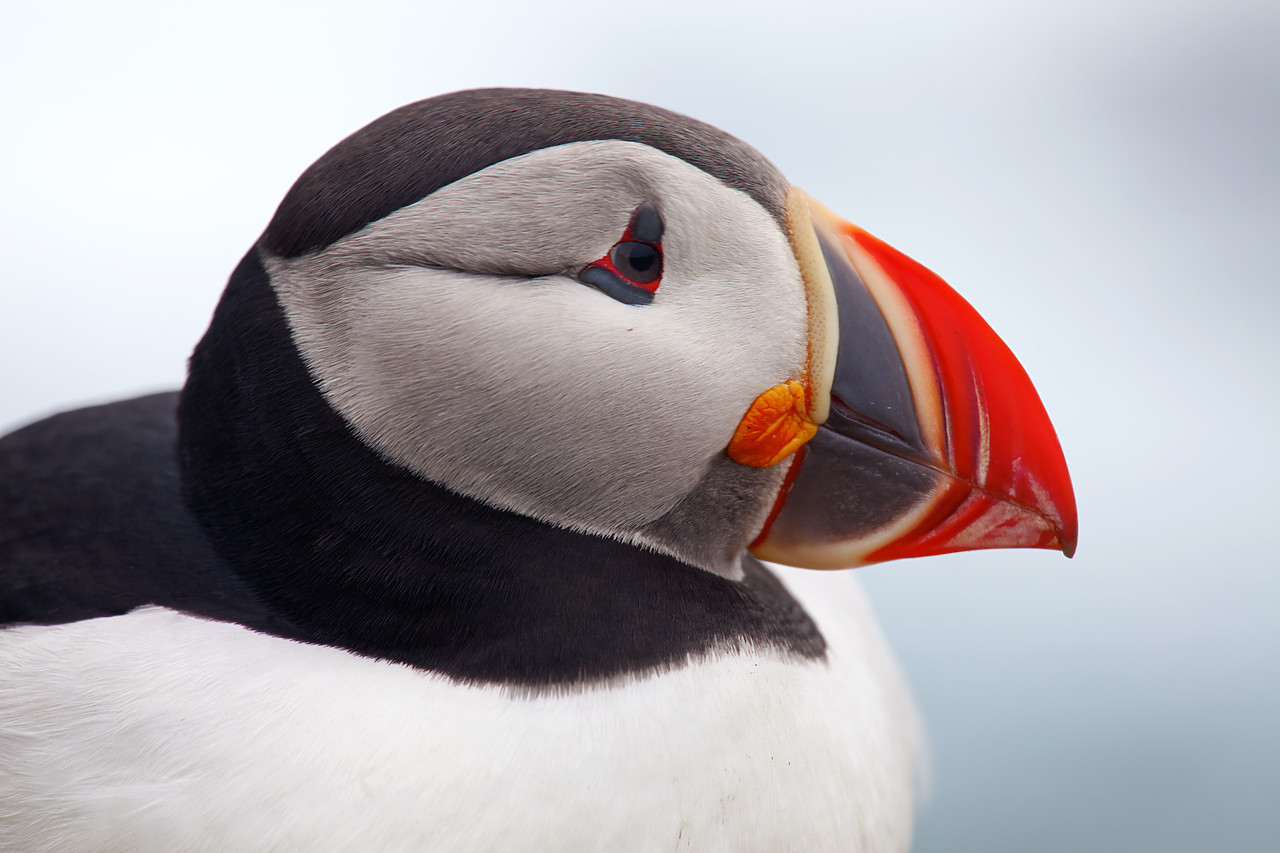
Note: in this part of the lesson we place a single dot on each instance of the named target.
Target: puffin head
(616, 320)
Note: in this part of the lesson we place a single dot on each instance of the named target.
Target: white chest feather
(157, 731)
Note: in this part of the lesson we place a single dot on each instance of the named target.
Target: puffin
(486, 517)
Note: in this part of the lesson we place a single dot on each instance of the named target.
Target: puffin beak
(918, 430)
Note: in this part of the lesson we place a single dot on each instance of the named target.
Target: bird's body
(446, 543)
(201, 725)
(261, 743)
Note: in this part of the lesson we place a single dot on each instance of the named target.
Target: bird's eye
(632, 270)
(639, 262)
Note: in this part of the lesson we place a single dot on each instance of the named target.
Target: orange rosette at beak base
(776, 425)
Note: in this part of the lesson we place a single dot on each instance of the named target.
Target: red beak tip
(1068, 545)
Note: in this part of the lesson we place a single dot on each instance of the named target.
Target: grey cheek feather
(450, 339)
(717, 520)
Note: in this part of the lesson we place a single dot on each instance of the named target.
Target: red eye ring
(631, 270)
(639, 263)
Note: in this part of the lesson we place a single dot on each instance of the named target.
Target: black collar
(363, 554)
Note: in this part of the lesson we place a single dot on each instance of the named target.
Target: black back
(93, 523)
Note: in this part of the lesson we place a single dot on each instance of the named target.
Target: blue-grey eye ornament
(631, 270)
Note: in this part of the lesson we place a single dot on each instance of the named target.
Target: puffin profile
(452, 540)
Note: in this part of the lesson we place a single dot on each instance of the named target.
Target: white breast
(157, 731)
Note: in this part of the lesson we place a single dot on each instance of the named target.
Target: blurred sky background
(1100, 179)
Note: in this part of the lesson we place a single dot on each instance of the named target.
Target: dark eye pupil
(639, 262)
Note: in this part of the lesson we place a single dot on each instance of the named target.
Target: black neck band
(362, 554)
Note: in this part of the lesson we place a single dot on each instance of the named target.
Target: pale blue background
(1101, 179)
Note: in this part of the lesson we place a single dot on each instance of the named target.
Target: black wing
(93, 523)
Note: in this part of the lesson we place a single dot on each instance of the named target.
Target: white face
(456, 339)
